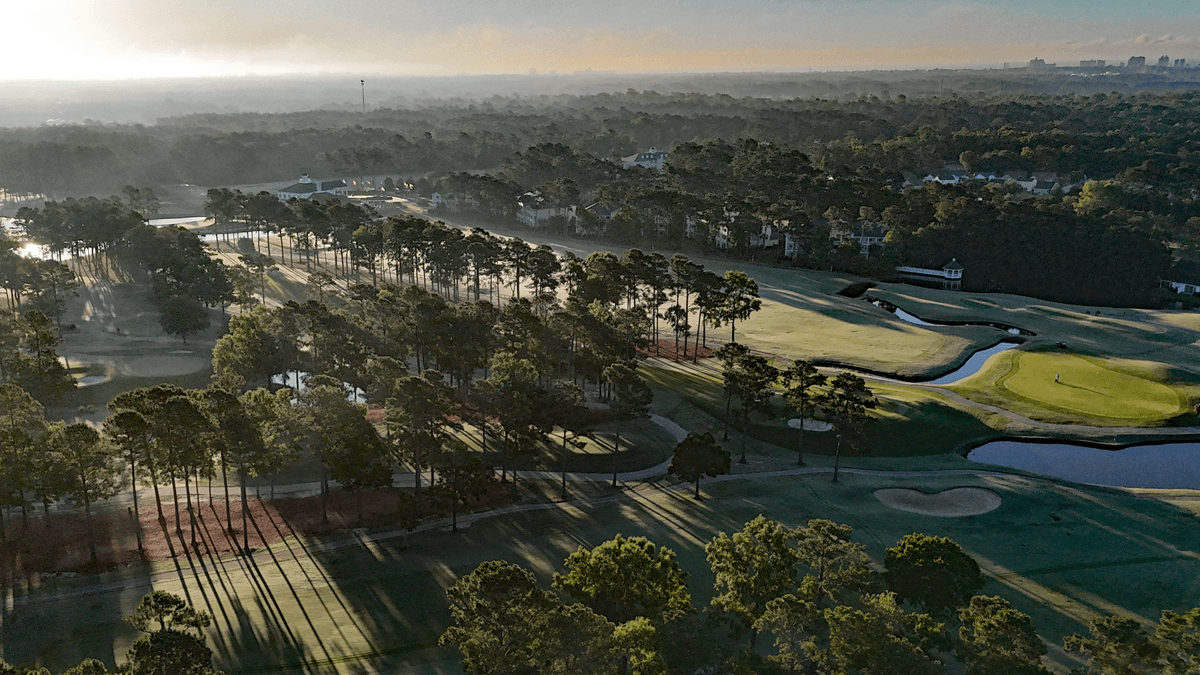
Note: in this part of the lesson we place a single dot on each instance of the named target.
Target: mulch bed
(666, 349)
(59, 543)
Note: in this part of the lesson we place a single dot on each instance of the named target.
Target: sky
(132, 39)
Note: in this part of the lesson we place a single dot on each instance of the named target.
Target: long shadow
(292, 589)
(1076, 386)
(270, 609)
(201, 566)
(218, 568)
(328, 582)
(247, 640)
(310, 580)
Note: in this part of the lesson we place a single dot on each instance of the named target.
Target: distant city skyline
(123, 39)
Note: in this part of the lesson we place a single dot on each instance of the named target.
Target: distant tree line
(1100, 135)
(815, 165)
(732, 198)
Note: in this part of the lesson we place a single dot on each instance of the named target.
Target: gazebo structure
(950, 276)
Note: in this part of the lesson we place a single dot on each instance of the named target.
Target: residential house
(767, 237)
(866, 234)
(603, 212)
(535, 213)
(1044, 182)
(791, 246)
(651, 159)
(601, 216)
(1183, 277)
(452, 203)
(947, 176)
(721, 237)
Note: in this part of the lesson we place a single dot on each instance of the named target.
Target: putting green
(1119, 390)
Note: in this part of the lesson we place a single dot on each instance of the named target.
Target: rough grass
(834, 329)
(1061, 553)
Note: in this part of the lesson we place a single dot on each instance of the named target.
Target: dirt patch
(666, 349)
(953, 503)
(40, 545)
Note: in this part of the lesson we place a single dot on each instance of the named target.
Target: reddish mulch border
(59, 543)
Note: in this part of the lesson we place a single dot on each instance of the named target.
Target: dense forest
(1118, 173)
(1100, 135)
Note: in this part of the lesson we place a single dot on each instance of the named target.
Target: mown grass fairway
(1091, 388)
(1058, 552)
(831, 328)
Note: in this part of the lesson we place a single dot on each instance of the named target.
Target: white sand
(953, 503)
(810, 425)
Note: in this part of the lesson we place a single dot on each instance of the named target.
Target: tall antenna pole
(363, 84)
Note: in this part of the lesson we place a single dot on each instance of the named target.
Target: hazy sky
(114, 39)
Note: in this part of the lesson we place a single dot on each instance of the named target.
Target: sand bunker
(956, 502)
(89, 380)
(163, 366)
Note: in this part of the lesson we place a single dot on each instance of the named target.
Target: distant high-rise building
(1094, 63)
(1181, 63)
(1136, 62)
(1164, 62)
(1039, 63)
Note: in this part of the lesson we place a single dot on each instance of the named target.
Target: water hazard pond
(918, 321)
(1167, 465)
(973, 364)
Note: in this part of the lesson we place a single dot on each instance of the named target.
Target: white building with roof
(651, 159)
(306, 187)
